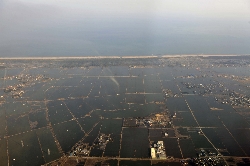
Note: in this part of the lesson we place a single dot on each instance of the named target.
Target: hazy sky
(123, 27)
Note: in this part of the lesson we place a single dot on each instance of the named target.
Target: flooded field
(77, 114)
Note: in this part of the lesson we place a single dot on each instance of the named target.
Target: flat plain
(114, 110)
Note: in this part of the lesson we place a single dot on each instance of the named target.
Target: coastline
(122, 57)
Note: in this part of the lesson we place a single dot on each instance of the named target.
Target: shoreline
(122, 57)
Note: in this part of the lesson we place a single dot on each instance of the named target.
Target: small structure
(153, 156)
(158, 151)
(102, 141)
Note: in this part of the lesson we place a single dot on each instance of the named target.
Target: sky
(123, 27)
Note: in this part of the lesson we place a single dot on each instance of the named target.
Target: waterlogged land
(113, 110)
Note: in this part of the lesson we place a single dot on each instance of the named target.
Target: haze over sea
(119, 28)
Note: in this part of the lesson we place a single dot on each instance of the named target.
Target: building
(153, 156)
(158, 151)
